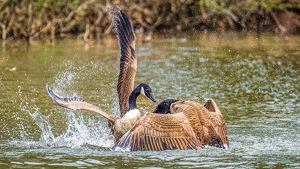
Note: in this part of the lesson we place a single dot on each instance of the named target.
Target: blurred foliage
(33, 19)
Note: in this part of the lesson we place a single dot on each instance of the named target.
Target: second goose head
(164, 107)
(141, 89)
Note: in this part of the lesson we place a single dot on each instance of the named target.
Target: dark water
(255, 82)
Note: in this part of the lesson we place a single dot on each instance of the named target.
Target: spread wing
(128, 60)
(189, 126)
(217, 120)
(77, 103)
(160, 132)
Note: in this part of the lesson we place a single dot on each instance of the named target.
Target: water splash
(77, 133)
(43, 122)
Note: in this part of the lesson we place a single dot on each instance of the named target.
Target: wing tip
(122, 24)
(124, 143)
(114, 14)
(211, 106)
(50, 92)
(59, 100)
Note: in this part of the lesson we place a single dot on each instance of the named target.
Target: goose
(126, 94)
(176, 125)
(173, 124)
(119, 125)
(189, 125)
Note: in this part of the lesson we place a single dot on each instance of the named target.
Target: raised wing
(217, 120)
(159, 132)
(77, 103)
(128, 60)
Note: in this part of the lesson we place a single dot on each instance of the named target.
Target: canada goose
(120, 125)
(173, 124)
(128, 67)
(189, 126)
(177, 125)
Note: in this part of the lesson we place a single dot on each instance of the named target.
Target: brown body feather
(217, 119)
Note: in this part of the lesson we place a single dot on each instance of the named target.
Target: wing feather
(217, 120)
(189, 126)
(203, 121)
(172, 131)
(128, 60)
(77, 103)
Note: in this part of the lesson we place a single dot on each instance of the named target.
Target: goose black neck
(132, 98)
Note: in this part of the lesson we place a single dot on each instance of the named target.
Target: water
(255, 82)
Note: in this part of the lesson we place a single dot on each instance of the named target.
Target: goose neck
(132, 98)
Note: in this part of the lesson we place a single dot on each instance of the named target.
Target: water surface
(255, 82)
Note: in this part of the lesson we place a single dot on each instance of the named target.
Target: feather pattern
(189, 126)
(218, 120)
(77, 103)
(160, 132)
(128, 60)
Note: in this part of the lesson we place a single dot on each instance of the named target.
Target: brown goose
(189, 126)
(127, 96)
(177, 125)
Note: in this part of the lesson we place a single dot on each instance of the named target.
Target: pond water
(255, 82)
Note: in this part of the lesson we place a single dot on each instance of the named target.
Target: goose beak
(152, 97)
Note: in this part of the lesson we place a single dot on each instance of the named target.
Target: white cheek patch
(143, 91)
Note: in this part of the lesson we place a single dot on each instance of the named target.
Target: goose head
(164, 106)
(141, 89)
(146, 90)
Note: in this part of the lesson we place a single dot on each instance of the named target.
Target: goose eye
(148, 94)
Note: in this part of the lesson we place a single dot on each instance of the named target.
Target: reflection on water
(253, 80)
